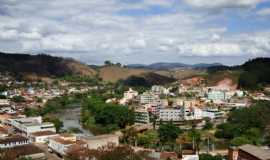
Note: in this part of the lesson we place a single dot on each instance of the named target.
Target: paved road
(50, 156)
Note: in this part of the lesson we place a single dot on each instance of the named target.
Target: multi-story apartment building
(142, 116)
(171, 114)
(149, 98)
(156, 89)
(216, 95)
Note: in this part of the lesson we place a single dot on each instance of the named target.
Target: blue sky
(138, 31)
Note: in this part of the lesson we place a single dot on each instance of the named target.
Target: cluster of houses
(164, 105)
(19, 134)
(22, 136)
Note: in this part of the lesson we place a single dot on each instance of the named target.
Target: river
(71, 119)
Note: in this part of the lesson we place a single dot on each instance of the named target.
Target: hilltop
(253, 74)
(114, 73)
(42, 65)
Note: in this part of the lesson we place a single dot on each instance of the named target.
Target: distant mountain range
(253, 74)
(165, 66)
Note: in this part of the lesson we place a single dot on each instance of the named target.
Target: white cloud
(94, 30)
(210, 49)
(264, 12)
(165, 3)
(9, 34)
(222, 4)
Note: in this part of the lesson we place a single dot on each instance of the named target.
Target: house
(60, 144)
(128, 95)
(3, 132)
(8, 110)
(13, 141)
(29, 151)
(189, 155)
(31, 124)
(4, 102)
(96, 142)
(249, 152)
(42, 136)
(168, 155)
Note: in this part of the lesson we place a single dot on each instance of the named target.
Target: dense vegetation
(247, 125)
(210, 157)
(254, 74)
(101, 117)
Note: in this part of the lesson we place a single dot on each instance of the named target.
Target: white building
(149, 98)
(42, 137)
(13, 141)
(212, 113)
(61, 144)
(182, 89)
(31, 124)
(216, 95)
(128, 95)
(195, 113)
(142, 116)
(96, 142)
(190, 157)
(4, 102)
(156, 89)
(171, 115)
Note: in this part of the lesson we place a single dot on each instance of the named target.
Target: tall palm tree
(130, 135)
(208, 136)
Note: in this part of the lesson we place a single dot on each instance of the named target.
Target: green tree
(238, 141)
(208, 125)
(58, 124)
(108, 63)
(210, 157)
(168, 133)
(18, 99)
(148, 138)
(31, 112)
(195, 137)
(254, 135)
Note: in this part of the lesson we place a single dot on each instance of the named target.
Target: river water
(71, 119)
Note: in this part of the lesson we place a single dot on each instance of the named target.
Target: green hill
(42, 65)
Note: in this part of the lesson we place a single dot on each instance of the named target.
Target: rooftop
(260, 153)
(15, 138)
(3, 130)
(43, 133)
(24, 150)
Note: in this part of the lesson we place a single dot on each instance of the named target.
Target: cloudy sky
(138, 31)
